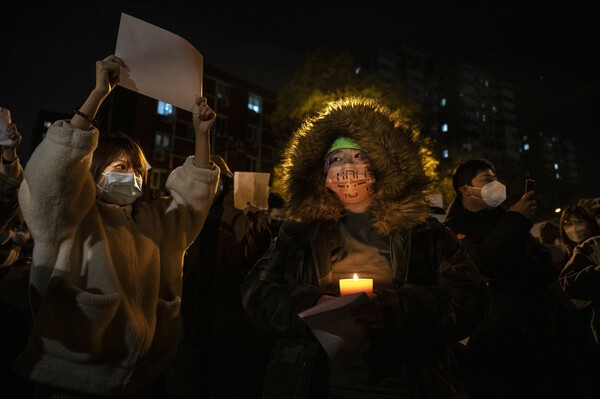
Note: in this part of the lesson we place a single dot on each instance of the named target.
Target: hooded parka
(436, 298)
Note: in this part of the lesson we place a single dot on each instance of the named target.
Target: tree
(327, 76)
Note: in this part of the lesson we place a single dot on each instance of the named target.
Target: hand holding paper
(161, 64)
(334, 325)
(108, 72)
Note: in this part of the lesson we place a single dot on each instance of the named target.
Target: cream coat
(105, 283)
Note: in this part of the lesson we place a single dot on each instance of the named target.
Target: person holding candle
(357, 203)
(105, 281)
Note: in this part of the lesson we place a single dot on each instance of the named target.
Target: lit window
(443, 102)
(445, 127)
(461, 94)
(357, 70)
(482, 105)
(487, 84)
(526, 147)
(223, 93)
(164, 108)
(255, 103)
(494, 108)
(483, 118)
(557, 176)
(445, 154)
(555, 166)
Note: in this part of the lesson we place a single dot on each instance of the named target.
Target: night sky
(550, 53)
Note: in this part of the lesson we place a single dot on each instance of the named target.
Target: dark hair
(110, 147)
(276, 201)
(464, 173)
(583, 214)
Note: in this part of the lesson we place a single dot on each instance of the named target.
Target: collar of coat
(400, 195)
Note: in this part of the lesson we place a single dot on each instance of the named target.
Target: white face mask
(493, 193)
(578, 232)
(352, 183)
(121, 188)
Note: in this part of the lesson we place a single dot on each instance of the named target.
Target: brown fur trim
(399, 199)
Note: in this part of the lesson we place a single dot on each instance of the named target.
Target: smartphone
(529, 185)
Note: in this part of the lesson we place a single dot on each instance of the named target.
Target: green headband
(343, 142)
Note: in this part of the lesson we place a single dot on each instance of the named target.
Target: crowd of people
(104, 294)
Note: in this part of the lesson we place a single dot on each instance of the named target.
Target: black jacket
(438, 296)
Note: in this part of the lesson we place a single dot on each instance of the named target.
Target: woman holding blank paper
(357, 204)
(105, 281)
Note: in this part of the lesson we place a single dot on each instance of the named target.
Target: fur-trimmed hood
(400, 195)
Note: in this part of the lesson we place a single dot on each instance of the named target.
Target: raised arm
(107, 77)
(58, 189)
(203, 121)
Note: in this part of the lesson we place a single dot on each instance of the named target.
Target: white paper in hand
(162, 65)
(334, 326)
(4, 121)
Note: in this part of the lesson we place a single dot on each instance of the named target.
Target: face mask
(578, 233)
(493, 193)
(121, 188)
(352, 183)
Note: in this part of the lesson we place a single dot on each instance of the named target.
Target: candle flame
(355, 276)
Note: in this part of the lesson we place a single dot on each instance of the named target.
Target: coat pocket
(75, 324)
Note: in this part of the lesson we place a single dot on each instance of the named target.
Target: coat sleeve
(271, 293)
(445, 312)
(58, 190)
(180, 216)
(580, 277)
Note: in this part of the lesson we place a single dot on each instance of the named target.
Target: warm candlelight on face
(354, 285)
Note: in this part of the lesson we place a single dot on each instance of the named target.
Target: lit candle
(354, 285)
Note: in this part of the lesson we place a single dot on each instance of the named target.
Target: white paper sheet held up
(334, 326)
(252, 187)
(162, 65)
(4, 121)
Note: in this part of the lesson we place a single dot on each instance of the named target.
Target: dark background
(548, 50)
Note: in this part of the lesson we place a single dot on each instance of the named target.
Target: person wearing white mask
(576, 225)
(106, 275)
(513, 345)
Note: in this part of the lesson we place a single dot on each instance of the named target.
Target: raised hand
(107, 73)
(525, 206)
(204, 117)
